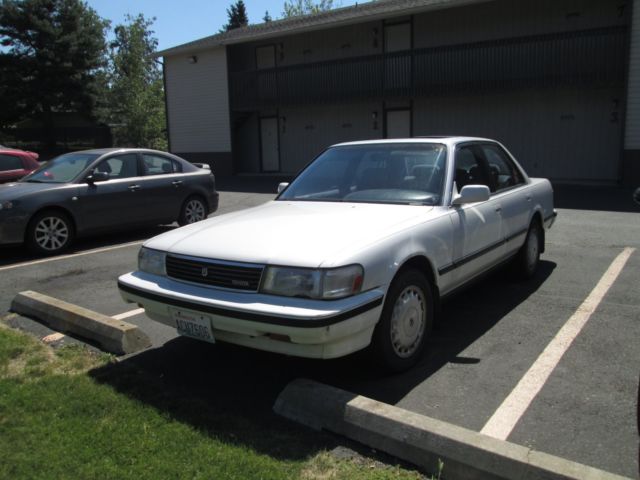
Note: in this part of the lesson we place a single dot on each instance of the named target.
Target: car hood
(307, 234)
(14, 191)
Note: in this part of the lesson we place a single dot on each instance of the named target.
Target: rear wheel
(528, 258)
(406, 320)
(193, 210)
(49, 233)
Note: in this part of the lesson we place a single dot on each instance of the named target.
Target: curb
(422, 440)
(112, 335)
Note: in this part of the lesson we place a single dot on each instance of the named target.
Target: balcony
(590, 58)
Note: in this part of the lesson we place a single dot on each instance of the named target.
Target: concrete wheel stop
(112, 335)
(421, 440)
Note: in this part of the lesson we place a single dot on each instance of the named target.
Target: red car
(15, 164)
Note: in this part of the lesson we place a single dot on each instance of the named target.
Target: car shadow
(229, 391)
(11, 254)
(598, 198)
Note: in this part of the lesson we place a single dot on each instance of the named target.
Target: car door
(509, 188)
(165, 187)
(478, 240)
(117, 201)
(11, 167)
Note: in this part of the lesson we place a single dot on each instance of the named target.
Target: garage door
(565, 135)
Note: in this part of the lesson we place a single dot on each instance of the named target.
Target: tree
(237, 14)
(267, 17)
(136, 96)
(296, 8)
(52, 56)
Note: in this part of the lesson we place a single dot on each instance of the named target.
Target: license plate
(193, 325)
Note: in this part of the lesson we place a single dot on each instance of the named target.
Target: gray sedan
(95, 191)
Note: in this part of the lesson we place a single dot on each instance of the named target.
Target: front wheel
(193, 210)
(528, 258)
(407, 318)
(49, 233)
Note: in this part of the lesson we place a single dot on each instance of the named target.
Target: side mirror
(97, 177)
(472, 194)
(282, 186)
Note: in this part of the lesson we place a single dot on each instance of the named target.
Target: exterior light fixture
(192, 59)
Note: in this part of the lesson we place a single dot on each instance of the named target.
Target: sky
(183, 21)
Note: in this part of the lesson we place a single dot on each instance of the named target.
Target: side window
(120, 166)
(469, 169)
(10, 162)
(504, 172)
(158, 165)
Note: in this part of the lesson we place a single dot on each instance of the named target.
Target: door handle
(134, 188)
(498, 209)
(528, 198)
(176, 183)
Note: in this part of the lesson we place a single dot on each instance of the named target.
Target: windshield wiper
(31, 180)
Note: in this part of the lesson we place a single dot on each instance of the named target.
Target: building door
(269, 144)
(398, 123)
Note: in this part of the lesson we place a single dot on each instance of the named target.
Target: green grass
(58, 419)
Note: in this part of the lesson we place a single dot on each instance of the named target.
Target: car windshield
(402, 173)
(61, 169)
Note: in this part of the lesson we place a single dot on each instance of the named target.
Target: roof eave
(202, 44)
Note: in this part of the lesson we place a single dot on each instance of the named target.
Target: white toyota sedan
(356, 252)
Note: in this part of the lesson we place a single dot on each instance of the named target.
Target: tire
(193, 210)
(49, 233)
(528, 258)
(407, 318)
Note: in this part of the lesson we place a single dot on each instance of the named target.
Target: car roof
(103, 151)
(449, 140)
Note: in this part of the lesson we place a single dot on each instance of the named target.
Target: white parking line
(130, 313)
(71, 255)
(503, 421)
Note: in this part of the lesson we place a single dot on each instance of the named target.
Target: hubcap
(408, 321)
(51, 233)
(194, 211)
(532, 249)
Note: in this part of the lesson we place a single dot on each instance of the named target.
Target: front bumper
(292, 326)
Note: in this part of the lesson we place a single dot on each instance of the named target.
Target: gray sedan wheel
(193, 210)
(49, 233)
(406, 320)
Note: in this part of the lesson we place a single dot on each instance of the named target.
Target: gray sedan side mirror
(97, 177)
(472, 194)
(282, 186)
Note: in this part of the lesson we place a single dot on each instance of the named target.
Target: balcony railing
(591, 57)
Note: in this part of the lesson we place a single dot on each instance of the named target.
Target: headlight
(323, 283)
(6, 205)
(152, 261)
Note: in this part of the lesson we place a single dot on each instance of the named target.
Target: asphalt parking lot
(486, 347)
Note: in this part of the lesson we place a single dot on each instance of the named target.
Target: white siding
(198, 102)
(632, 127)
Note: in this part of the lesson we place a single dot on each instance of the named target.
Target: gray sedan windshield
(404, 173)
(62, 169)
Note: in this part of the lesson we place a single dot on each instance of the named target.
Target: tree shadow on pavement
(229, 391)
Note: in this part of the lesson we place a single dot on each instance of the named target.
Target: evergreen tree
(237, 14)
(136, 94)
(267, 17)
(53, 53)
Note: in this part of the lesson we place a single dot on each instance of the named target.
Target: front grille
(215, 274)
